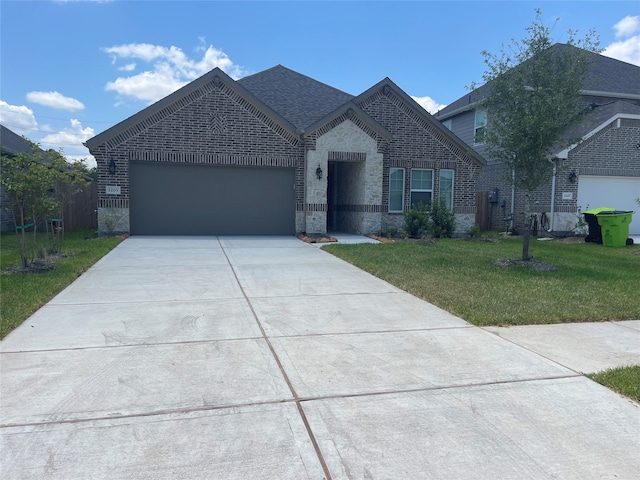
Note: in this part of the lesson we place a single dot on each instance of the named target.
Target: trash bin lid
(595, 211)
(616, 212)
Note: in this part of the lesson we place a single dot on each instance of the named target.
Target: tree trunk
(22, 240)
(527, 227)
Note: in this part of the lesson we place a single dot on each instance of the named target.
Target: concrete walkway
(268, 358)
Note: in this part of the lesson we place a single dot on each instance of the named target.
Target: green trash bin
(595, 232)
(615, 227)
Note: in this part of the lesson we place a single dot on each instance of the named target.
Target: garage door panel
(209, 200)
(615, 192)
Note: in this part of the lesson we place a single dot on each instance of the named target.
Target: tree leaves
(534, 91)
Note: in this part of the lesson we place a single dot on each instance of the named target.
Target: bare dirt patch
(534, 265)
(38, 265)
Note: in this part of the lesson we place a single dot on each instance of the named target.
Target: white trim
(564, 154)
(598, 93)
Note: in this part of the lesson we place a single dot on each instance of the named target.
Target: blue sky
(71, 69)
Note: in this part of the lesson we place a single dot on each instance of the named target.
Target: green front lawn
(624, 380)
(23, 293)
(594, 282)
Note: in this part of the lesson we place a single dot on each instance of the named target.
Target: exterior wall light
(573, 176)
(319, 173)
(112, 167)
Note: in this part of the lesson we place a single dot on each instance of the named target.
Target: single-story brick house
(278, 152)
(603, 170)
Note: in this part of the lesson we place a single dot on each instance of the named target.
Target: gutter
(599, 93)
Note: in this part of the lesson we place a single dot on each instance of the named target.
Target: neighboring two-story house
(278, 152)
(603, 170)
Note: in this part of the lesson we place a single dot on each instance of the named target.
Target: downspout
(553, 194)
(304, 187)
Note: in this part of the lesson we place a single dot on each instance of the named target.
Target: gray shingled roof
(600, 115)
(299, 99)
(13, 143)
(611, 75)
(606, 75)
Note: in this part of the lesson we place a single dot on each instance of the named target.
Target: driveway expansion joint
(303, 416)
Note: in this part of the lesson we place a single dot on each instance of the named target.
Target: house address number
(113, 190)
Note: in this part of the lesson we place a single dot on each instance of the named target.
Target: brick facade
(213, 123)
(611, 152)
(214, 127)
(418, 144)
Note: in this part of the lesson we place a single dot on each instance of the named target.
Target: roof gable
(428, 122)
(216, 78)
(298, 98)
(350, 111)
(601, 117)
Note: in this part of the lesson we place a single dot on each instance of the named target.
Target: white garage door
(615, 192)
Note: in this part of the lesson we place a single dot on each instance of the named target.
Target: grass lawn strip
(624, 380)
(24, 293)
(593, 282)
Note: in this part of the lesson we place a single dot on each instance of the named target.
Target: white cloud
(129, 67)
(627, 49)
(69, 140)
(70, 136)
(429, 104)
(627, 26)
(170, 69)
(17, 118)
(55, 100)
(89, 160)
(147, 86)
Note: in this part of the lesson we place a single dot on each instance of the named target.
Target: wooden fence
(80, 211)
(483, 209)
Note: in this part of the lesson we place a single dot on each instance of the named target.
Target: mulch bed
(380, 239)
(316, 238)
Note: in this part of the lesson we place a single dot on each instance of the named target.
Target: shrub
(475, 231)
(443, 220)
(416, 221)
(435, 220)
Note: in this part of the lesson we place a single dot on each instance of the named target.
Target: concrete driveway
(267, 358)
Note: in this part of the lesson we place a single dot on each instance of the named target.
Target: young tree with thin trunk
(533, 98)
(39, 184)
(67, 179)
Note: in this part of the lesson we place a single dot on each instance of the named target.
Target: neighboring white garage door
(170, 199)
(615, 192)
